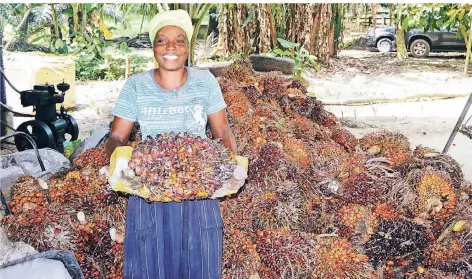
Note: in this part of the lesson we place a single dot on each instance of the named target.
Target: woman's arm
(220, 128)
(119, 135)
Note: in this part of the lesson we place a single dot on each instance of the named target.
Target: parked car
(418, 42)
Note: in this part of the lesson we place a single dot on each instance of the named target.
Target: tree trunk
(402, 52)
(128, 67)
(315, 27)
(273, 32)
(374, 18)
(265, 36)
(75, 16)
(323, 45)
(468, 41)
(469, 46)
(196, 28)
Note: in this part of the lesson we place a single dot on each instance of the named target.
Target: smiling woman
(172, 240)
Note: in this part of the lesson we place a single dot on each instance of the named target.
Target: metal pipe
(458, 124)
(31, 140)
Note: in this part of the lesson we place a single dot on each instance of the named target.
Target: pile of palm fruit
(179, 166)
(318, 202)
(321, 203)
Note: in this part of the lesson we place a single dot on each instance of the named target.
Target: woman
(172, 240)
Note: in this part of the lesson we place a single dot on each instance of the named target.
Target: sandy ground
(367, 77)
(425, 122)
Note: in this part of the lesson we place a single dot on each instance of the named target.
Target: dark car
(418, 42)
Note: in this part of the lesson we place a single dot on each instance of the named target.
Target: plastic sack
(47, 265)
(25, 162)
(22, 261)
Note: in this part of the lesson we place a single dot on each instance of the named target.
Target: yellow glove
(121, 177)
(233, 185)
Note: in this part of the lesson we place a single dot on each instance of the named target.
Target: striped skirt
(173, 240)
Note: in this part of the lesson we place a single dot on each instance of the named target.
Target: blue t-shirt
(161, 111)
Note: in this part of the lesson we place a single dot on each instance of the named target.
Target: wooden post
(128, 67)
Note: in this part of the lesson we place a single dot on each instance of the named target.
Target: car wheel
(420, 48)
(385, 45)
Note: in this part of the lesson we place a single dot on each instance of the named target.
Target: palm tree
(245, 28)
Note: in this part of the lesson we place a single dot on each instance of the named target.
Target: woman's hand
(119, 135)
(220, 128)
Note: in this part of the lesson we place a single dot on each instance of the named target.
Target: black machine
(49, 127)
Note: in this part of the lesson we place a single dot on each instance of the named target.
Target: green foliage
(115, 68)
(435, 16)
(302, 58)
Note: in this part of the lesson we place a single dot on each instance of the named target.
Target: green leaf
(59, 44)
(249, 17)
(88, 7)
(405, 23)
(270, 54)
(287, 44)
(87, 57)
(19, 8)
(279, 51)
(68, 12)
(124, 47)
(38, 38)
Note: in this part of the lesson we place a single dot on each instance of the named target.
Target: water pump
(49, 127)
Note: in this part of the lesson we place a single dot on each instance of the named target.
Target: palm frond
(40, 16)
(203, 49)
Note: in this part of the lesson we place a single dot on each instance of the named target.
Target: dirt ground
(369, 91)
(363, 76)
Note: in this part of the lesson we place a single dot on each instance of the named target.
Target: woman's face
(170, 48)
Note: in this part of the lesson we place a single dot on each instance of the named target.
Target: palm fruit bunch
(176, 167)
(357, 220)
(95, 239)
(238, 104)
(42, 227)
(393, 146)
(398, 241)
(344, 138)
(273, 84)
(308, 130)
(78, 214)
(436, 197)
(28, 193)
(424, 157)
(283, 254)
(337, 258)
(252, 92)
(466, 130)
(94, 157)
(320, 214)
(239, 73)
(240, 258)
(84, 189)
(267, 164)
(296, 152)
(328, 158)
(365, 180)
